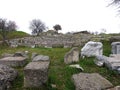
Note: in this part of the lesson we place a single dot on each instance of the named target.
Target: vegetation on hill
(15, 34)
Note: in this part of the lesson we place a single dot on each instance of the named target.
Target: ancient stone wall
(51, 41)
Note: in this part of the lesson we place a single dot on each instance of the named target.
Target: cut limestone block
(115, 47)
(72, 56)
(35, 74)
(113, 63)
(94, 81)
(13, 61)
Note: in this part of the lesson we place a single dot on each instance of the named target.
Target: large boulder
(72, 56)
(94, 81)
(7, 75)
(92, 49)
(115, 47)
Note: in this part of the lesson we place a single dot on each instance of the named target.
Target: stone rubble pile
(50, 41)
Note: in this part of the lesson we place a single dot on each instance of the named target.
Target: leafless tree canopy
(115, 2)
(37, 26)
(6, 27)
(57, 27)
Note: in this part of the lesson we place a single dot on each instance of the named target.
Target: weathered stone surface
(100, 60)
(19, 54)
(7, 55)
(41, 58)
(85, 81)
(13, 61)
(33, 55)
(7, 75)
(51, 41)
(112, 63)
(92, 49)
(115, 88)
(115, 47)
(36, 74)
(72, 56)
(116, 56)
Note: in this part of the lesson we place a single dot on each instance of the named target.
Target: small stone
(53, 85)
(77, 66)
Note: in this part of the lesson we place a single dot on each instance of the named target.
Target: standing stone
(7, 75)
(94, 81)
(35, 74)
(115, 47)
(72, 56)
(92, 49)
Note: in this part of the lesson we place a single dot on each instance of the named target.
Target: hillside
(16, 34)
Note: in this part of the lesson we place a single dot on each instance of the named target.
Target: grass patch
(59, 73)
(16, 34)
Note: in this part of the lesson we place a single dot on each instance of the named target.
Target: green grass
(59, 73)
(15, 34)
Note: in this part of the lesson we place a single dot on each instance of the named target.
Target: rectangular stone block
(118, 49)
(13, 61)
(35, 74)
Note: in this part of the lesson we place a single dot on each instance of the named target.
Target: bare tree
(11, 26)
(115, 2)
(57, 27)
(37, 26)
(6, 27)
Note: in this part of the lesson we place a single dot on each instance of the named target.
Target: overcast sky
(72, 15)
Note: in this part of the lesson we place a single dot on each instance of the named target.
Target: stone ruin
(7, 75)
(92, 49)
(72, 56)
(36, 72)
(51, 41)
(18, 59)
(94, 81)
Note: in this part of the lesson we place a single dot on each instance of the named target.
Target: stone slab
(94, 81)
(13, 61)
